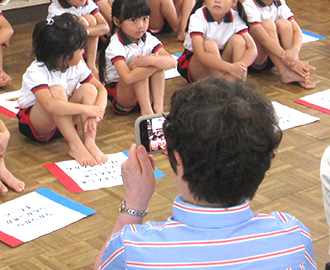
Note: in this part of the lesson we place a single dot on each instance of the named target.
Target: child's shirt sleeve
(284, 11)
(154, 43)
(85, 74)
(35, 78)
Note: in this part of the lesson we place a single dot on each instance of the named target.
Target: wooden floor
(292, 185)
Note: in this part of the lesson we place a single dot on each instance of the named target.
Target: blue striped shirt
(212, 238)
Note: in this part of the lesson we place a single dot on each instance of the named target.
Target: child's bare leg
(287, 74)
(91, 47)
(234, 51)
(285, 33)
(7, 179)
(157, 86)
(44, 123)
(4, 78)
(128, 94)
(159, 11)
(198, 70)
(184, 8)
(105, 9)
(87, 95)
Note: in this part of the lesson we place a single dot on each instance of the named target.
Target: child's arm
(262, 37)
(291, 56)
(162, 60)
(6, 31)
(130, 76)
(63, 108)
(251, 50)
(213, 62)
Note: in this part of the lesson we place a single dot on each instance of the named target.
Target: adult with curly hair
(221, 138)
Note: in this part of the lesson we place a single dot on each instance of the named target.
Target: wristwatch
(129, 211)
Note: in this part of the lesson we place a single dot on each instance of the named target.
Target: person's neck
(189, 198)
(268, 2)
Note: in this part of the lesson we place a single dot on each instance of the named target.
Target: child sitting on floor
(278, 38)
(58, 90)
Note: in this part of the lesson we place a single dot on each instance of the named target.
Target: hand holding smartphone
(149, 132)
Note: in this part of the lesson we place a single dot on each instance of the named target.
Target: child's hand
(94, 111)
(238, 70)
(136, 62)
(142, 60)
(91, 124)
(290, 57)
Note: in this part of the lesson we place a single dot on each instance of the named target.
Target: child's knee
(283, 26)
(89, 90)
(237, 41)
(269, 25)
(58, 92)
(210, 45)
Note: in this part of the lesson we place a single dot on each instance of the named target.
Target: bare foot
(7, 179)
(82, 156)
(99, 156)
(290, 77)
(4, 78)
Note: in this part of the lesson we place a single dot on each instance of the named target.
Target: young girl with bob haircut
(218, 42)
(132, 61)
(58, 89)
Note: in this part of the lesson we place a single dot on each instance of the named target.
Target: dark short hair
(226, 135)
(55, 40)
(122, 10)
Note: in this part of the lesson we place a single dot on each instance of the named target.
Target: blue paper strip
(312, 34)
(51, 195)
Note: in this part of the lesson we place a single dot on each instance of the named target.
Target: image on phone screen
(152, 135)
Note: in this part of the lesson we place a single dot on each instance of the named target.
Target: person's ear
(116, 21)
(179, 164)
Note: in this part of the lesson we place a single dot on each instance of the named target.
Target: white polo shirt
(202, 23)
(37, 77)
(122, 48)
(257, 11)
(58, 7)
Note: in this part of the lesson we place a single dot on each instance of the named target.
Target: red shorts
(111, 89)
(25, 127)
(183, 65)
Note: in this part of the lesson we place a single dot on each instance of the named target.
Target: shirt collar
(260, 3)
(65, 4)
(207, 217)
(208, 16)
(125, 40)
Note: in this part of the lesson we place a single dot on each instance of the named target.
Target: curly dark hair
(54, 41)
(226, 135)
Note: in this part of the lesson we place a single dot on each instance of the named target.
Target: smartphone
(149, 132)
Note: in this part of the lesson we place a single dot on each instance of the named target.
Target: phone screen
(152, 135)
